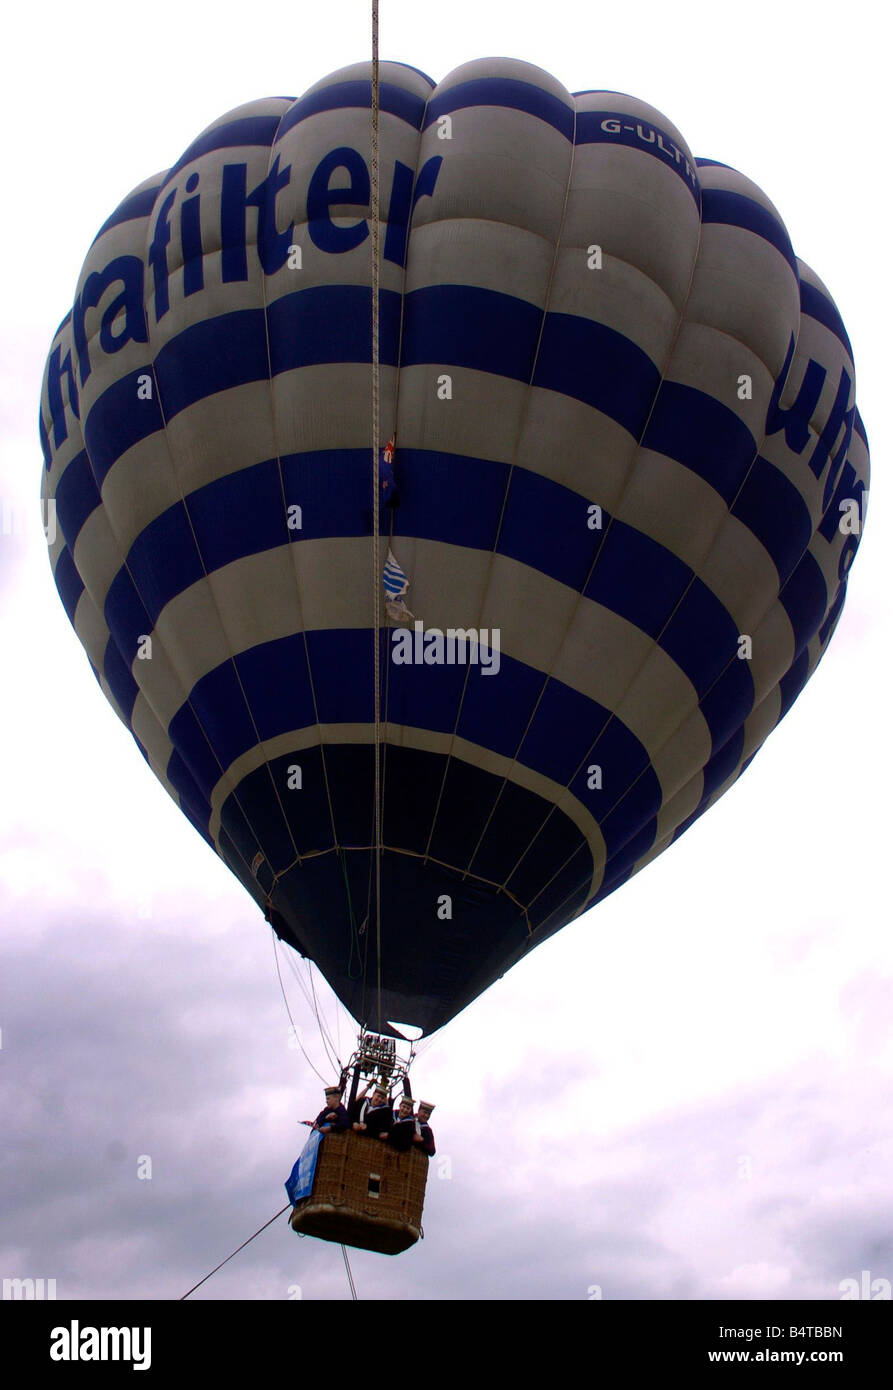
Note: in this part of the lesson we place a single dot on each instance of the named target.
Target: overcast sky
(686, 1094)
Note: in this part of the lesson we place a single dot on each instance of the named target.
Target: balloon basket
(365, 1194)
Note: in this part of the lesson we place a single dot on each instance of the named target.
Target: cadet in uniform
(424, 1135)
(374, 1098)
(379, 1117)
(334, 1115)
(403, 1131)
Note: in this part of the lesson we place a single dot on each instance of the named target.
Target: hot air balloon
(630, 480)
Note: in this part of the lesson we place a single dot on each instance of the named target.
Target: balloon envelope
(626, 446)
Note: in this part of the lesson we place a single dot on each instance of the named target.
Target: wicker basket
(365, 1194)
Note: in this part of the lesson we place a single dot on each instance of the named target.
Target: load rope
(376, 518)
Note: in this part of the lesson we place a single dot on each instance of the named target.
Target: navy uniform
(374, 1099)
(334, 1115)
(404, 1128)
(424, 1133)
(379, 1119)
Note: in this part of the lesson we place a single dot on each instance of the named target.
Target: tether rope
(235, 1252)
(353, 1287)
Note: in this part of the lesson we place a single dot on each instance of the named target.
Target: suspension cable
(322, 1023)
(294, 1029)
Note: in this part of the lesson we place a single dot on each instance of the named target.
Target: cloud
(166, 1040)
(757, 1281)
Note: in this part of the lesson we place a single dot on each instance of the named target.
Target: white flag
(395, 586)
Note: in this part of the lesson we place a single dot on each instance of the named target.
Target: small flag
(395, 586)
(386, 477)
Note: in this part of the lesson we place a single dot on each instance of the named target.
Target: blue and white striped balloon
(630, 470)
